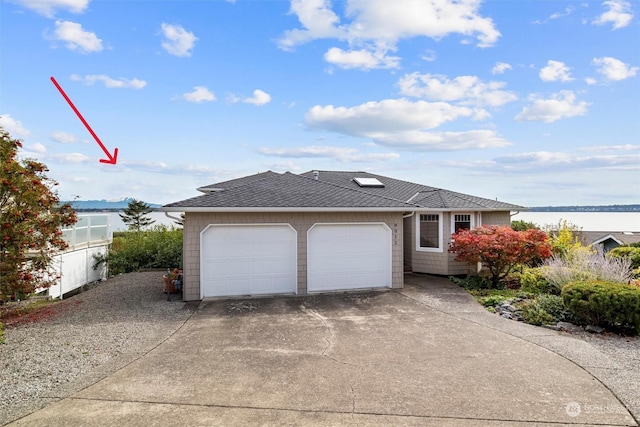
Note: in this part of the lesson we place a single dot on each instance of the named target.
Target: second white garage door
(348, 256)
(248, 260)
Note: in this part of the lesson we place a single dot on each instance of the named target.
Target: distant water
(159, 217)
(587, 221)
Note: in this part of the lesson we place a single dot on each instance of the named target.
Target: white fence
(90, 236)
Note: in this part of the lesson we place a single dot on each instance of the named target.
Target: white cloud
(63, 137)
(544, 160)
(614, 69)
(619, 14)
(76, 38)
(259, 97)
(500, 68)
(418, 140)
(389, 115)
(468, 90)
(555, 71)
(590, 81)
(37, 147)
(429, 56)
(342, 154)
(177, 41)
(403, 124)
(560, 106)
(624, 147)
(169, 168)
(110, 82)
(387, 22)
(318, 21)
(65, 158)
(199, 94)
(362, 59)
(376, 26)
(13, 126)
(49, 7)
(567, 11)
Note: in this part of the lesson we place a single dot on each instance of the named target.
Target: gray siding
(443, 263)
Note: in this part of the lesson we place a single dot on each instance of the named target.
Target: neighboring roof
(622, 238)
(331, 191)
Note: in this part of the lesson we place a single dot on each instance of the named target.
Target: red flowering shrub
(499, 249)
(30, 220)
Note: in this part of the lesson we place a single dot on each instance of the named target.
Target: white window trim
(440, 232)
(453, 220)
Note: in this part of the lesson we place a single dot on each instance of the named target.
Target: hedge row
(604, 303)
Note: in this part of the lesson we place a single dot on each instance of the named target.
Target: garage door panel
(248, 260)
(348, 256)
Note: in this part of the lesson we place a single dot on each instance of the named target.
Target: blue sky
(531, 102)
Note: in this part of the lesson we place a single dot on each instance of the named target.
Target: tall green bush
(604, 303)
(533, 280)
(160, 247)
(629, 252)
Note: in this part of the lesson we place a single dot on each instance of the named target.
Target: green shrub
(1, 333)
(545, 309)
(630, 252)
(604, 303)
(160, 247)
(534, 314)
(553, 305)
(492, 300)
(475, 281)
(533, 280)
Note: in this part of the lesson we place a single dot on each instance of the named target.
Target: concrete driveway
(382, 358)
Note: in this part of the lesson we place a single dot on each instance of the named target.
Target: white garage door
(348, 256)
(248, 260)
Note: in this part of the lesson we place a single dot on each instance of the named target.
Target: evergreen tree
(31, 217)
(135, 215)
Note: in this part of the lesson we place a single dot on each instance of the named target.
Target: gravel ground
(83, 339)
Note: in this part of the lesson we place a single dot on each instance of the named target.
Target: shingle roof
(420, 195)
(333, 190)
(626, 238)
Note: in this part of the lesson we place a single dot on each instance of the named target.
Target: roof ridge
(357, 190)
(263, 178)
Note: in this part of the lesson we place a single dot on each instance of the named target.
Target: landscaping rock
(569, 327)
(594, 329)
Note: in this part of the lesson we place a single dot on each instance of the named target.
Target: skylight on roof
(368, 182)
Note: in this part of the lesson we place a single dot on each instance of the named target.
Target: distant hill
(104, 205)
(604, 208)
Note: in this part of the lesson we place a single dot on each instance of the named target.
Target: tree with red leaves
(500, 249)
(31, 217)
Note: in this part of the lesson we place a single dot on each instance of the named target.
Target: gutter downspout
(172, 217)
(409, 215)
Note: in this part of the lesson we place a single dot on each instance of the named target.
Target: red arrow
(110, 159)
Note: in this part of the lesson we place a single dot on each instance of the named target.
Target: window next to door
(462, 221)
(429, 232)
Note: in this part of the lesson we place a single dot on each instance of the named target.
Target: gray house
(322, 231)
(607, 240)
